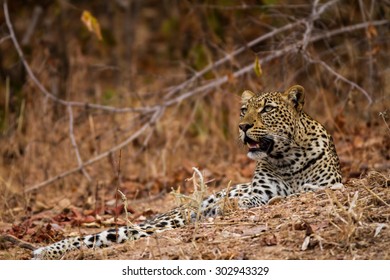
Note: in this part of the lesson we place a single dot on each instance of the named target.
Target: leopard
(293, 153)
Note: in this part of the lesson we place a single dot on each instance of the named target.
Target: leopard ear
(295, 95)
(246, 95)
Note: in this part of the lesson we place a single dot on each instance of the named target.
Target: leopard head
(268, 121)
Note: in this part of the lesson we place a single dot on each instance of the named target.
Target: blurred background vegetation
(154, 53)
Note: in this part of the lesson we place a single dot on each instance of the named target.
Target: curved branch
(339, 76)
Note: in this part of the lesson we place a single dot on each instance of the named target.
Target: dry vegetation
(162, 88)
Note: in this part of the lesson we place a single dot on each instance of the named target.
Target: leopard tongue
(253, 145)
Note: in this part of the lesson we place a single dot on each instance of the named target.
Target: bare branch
(315, 14)
(252, 43)
(369, 45)
(349, 28)
(383, 116)
(309, 25)
(5, 38)
(339, 76)
(295, 46)
(229, 57)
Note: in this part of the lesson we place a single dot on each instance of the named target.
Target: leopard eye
(243, 112)
(267, 109)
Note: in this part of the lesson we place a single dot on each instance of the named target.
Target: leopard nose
(245, 126)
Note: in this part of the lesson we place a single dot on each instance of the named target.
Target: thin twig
(310, 23)
(369, 52)
(198, 196)
(383, 116)
(347, 29)
(101, 156)
(18, 242)
(117, 175)
(125, 206)
(74, 145)
(375, 195)
(32, 25)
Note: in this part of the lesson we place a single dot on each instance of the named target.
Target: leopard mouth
(264, 145)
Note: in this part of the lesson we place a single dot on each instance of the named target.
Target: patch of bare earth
(348, 223)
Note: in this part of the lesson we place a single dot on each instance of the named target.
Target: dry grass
(352, 223)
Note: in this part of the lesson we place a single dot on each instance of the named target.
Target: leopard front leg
(214, 204)
(265, 185)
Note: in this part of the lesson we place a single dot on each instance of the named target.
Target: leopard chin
(256, 155)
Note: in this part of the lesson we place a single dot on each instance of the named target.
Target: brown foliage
(188, 62)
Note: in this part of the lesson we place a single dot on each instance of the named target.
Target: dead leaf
(305, 243)
(270, 240)
(257, 67)
(62, 204)
(379, 229)
(275, 199)
(371, 32)
(92, 24)
(228, 234)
